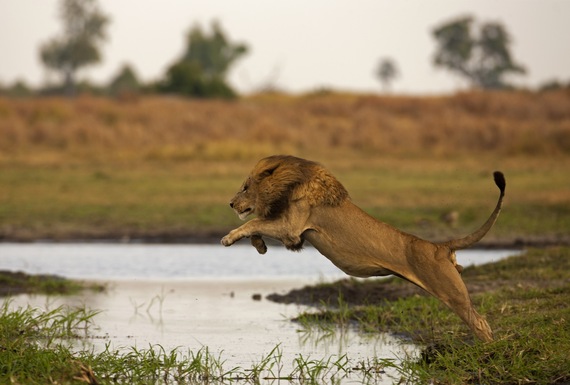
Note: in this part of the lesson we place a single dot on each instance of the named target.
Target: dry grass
(163, 165)
(159, 128)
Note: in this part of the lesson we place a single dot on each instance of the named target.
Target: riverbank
(17, 282)
(213, 237)
(524, 298)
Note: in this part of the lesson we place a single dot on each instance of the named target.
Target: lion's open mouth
(245, 213)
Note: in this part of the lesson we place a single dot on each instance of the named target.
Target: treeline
(200, 72)
(479, 52)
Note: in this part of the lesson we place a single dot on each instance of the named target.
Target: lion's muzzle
(242, 213)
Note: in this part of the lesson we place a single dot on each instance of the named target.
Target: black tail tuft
(500, 181)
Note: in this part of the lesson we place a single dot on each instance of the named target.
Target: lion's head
(277, 180)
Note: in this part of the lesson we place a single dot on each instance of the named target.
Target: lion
(297, 200)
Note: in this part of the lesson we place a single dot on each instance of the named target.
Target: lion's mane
(280, 179)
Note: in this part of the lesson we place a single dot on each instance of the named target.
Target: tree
(480, 54)
(125, 83)
(202, 69)
(79, 45)
(387, 71)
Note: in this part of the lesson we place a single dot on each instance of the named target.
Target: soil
(364, 292)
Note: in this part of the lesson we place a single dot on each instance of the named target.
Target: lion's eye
(244, 189)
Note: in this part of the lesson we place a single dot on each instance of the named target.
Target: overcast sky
(296, 45)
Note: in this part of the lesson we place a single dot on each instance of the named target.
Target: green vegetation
(202, 70)
(12, 283)
(84, 30)
(525, 299)
(479, 54)
(31, 350)
(37, 348)
(190, 199)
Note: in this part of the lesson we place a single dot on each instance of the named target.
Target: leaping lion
(297, 200)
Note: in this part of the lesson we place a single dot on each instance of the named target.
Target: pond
(195, 296)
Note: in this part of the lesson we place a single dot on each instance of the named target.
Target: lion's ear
(268, 172)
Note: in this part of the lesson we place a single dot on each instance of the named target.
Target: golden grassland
(502, 123)
(167, 166)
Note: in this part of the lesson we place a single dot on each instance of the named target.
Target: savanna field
(165, 167)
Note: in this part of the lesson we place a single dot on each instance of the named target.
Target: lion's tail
(463, 243)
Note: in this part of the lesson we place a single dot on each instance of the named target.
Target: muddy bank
(367, 292)
(17, 282)
(516, 271)
(213, 236)
(362, 292)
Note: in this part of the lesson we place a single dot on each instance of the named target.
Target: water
(193, 296)
(114, 261)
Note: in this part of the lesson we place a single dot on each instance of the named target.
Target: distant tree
(387, 71)
(214, 53)
(18, 89)
(79, 45)
(481, 55)
(552, 85)
(202, 69)
(125, 83)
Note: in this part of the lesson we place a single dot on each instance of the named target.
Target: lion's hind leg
(445, 283)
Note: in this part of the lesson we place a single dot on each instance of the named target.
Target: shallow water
(194, 296)
(220, 315)
(111, 261)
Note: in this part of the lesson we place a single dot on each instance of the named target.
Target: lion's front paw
(232, 237)
(259, 244)
(227, 241)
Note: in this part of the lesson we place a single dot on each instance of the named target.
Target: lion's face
(263, 190)
(277, 180)
(243, 202)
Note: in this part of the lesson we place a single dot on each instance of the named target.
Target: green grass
(179, 199)
(12, 283)
(527, 309)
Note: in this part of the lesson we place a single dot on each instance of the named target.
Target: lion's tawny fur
(297, 200)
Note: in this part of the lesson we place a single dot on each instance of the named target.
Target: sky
(296, 45)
